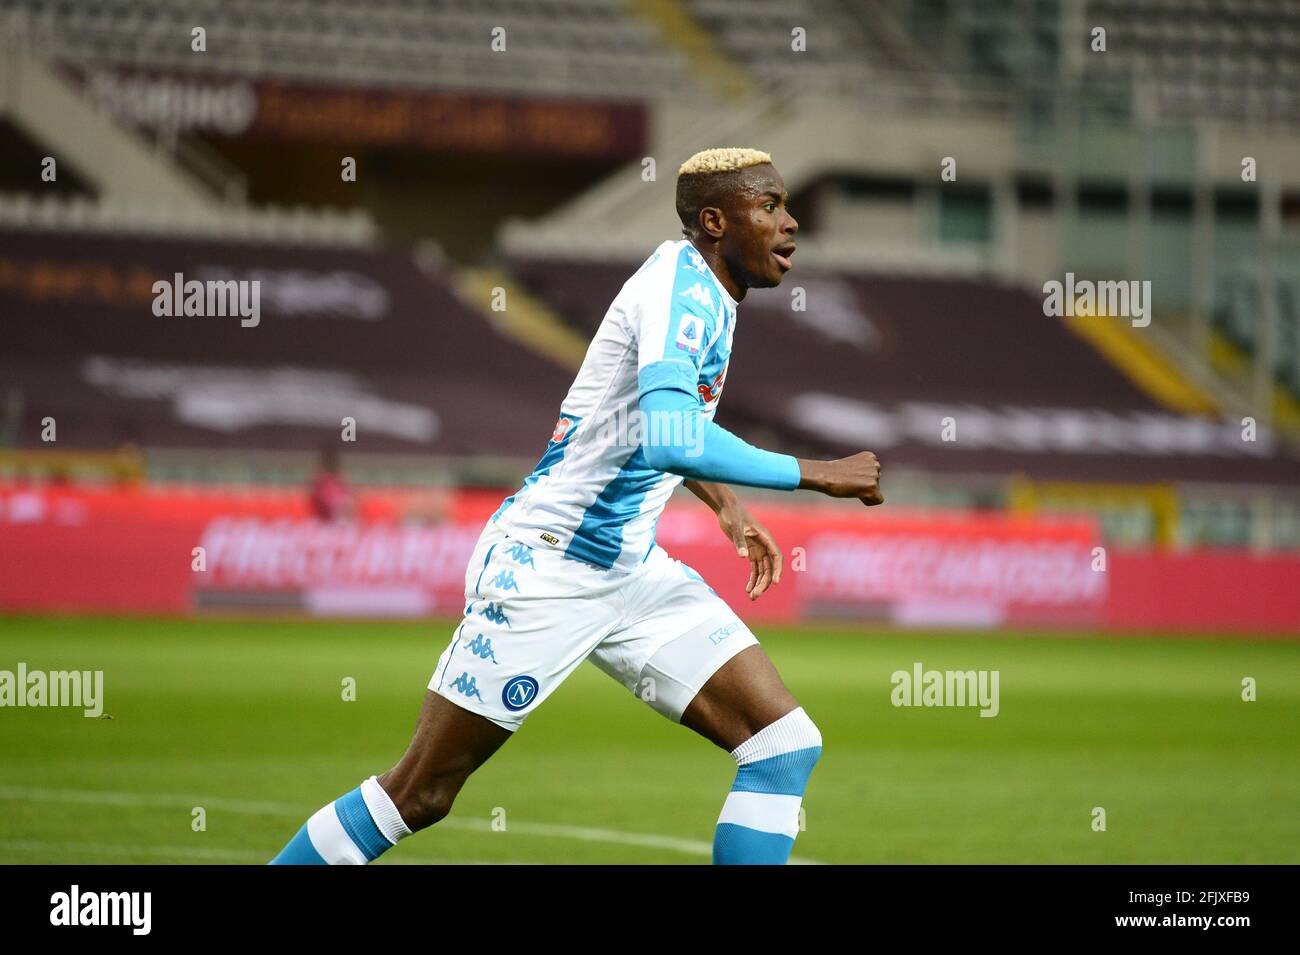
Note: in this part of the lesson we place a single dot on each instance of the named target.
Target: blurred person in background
(332, 497)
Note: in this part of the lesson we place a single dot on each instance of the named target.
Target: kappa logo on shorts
(481, 647)
(505, 580)
(519, 692)
(495, 614)
(467, 685)
(522, 554)
(717, 636)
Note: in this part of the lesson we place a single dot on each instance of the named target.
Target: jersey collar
(716, 281)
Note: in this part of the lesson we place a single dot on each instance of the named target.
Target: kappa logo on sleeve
(690, 334)
(699, 293)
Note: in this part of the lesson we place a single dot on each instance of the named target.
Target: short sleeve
(673, 334)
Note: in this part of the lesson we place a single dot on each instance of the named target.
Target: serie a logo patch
(690, 334)
(549, 538)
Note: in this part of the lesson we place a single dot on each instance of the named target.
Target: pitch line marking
(692, 847)
(249, 856)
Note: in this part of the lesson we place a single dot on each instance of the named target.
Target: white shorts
(532, 615)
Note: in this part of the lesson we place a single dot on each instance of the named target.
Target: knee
(793, 733)
(801, 741)
(780, 757)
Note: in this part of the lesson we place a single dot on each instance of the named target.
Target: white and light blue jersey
(592, 495)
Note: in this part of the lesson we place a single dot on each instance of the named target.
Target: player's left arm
(751, 538)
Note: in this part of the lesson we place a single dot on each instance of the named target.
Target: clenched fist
(856, 476)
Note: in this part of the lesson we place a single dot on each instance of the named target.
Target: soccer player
(567, 569)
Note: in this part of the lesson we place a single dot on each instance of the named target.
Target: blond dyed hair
(723, 159)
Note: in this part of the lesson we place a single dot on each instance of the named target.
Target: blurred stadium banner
(262, 551)
(437, 120)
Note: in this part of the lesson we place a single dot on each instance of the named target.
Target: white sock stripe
(792, 732)
(763, 811)
(331, 839)
(383, 811)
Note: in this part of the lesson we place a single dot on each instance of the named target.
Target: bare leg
(449, 744)
(745, 695)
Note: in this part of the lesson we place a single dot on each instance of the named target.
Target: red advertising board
(178, 552)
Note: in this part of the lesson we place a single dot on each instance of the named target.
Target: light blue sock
(760, 818)
(354, 829)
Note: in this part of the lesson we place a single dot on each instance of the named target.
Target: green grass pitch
(245, 719)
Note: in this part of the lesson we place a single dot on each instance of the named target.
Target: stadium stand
(558, 46)
(1209, 57)
(340, 332)
(894, 356)
(1181, 59)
